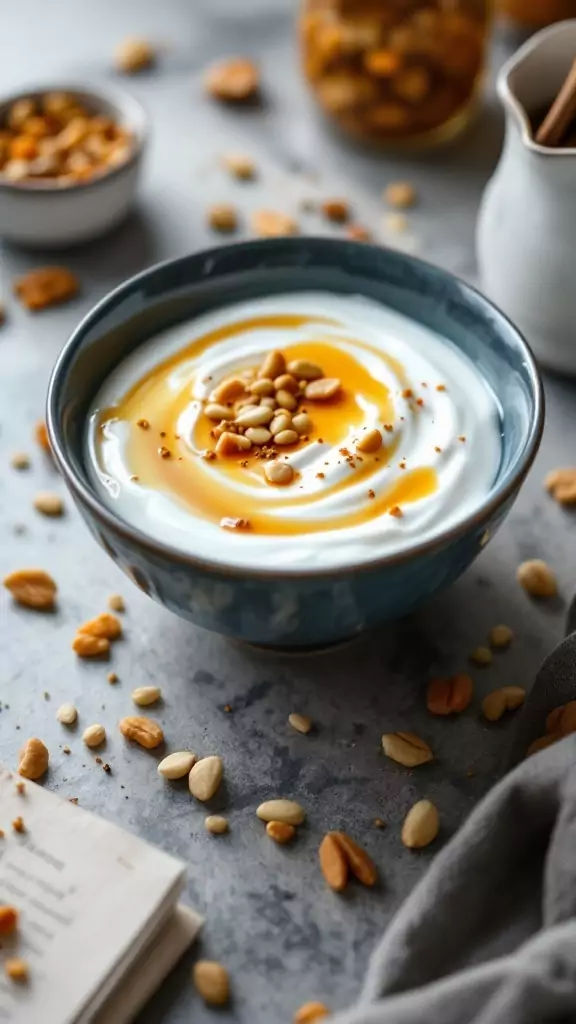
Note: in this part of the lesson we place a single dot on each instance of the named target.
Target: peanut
(360, 864)
(481, 656)
(33, 759)
(212, 982)
(274, 364)
(233, 81)
(32, 588)
(302, 423)
(561, 484)
(143, 696)
(501, 636)
(370, 442)
(231, 444)
(309, 1013)
(303, 369)
(286, 382)
(94, 735)
(258, 435)
(287, 811)
(270, 224)
(336, 210)
(49, 504)
(286, 400)
(67, 714)
(263, 387)
(134, 55)
(227, 390)
(494, 705)
(20, 460)
(406, 748)
(333, 863)
(537, 578)
(87, 646)
(176, 765)
(421, 825)
(16, 969)
(282, 421)
(300, 722)
(216, 824)
(286, 437)
(240, 166)
(258, 416)
(562, 720)
(144, 731)
(104, 625)
(323, 389)
(541, 743)
(280, 832)
(8, 920)
(515, 697)
(217, 412)
(449, 696)
(205, 777)
(280, 473)
(223, 217)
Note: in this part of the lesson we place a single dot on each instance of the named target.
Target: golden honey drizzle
(206, 494)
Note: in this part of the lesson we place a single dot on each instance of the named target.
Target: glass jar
(536, 13)
(395, 71)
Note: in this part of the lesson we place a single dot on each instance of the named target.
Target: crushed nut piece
(501, 636)
(18, 825)
(421, 825)
(205, 777)
(46, 286)
(112, 677)
(280, 832)
(406, 748)
(33, 759)
(8, 920)
(134, 55)
(481, 656)
(32, 588)
(116, 603)
(17, 970)
(300, 722)
(228, 523)
(401, 194)
(449, 696)
(20, 461)
(104, 625)
(233, 81)
(396, 512)
(240, 166)
(144, 731)
(87, 646)
(311, 1012)
(337, 210)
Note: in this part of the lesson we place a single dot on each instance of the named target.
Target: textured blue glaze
(291, 609)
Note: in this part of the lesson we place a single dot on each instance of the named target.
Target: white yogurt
(465, 470)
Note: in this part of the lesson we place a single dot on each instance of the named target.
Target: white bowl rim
(125, 105)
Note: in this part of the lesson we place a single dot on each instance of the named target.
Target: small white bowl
(43, 215)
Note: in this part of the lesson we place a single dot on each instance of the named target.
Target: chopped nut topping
(164, 452)
(461, 438)
(46, 286)
(561, 484)
(396, 511)
(371, 493)
(481, 656)
(233, 81)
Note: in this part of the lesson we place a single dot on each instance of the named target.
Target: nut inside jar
(395, 70)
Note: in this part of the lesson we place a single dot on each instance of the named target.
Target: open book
(99, 925)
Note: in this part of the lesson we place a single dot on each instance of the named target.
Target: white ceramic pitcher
(526, 239)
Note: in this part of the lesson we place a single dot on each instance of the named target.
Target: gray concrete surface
(269, 917)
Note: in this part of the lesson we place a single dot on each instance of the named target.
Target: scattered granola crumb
(228, 523)
(440, 387)
(116, 603)
(72, 799)
(133, 55)
(143, 424)
(371, 493)
(396, 511)
(21, 788)
(227, 708)
(240, 166)
(223, 217)
(379, 823)
(112, 677)
(401, 194)
(46, 286)
(462, 438)
(66, 750)
(20, 460)
(233, 81)
(18, 825)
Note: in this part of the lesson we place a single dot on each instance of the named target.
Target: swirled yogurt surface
(150, 445)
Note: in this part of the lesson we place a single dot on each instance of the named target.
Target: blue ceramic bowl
(295, 609)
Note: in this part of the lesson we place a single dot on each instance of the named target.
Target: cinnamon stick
(561, 113)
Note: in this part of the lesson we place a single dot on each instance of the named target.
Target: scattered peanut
(216, 824)
(104, 625)
(116, 603)
(94, 735)
(233, 81)
(67, 714)
(541, 743)
(32, 588)
(537, 578)
(449, 696)
(501, 636)
(212, 982)
(370, 442)
(337, 210)
(285, 437)
(227, 390)
(231, 444)
(16, 970)
(274, 364)
(223, 217)
(8, 920)
(46, 286)
(406, 748)
(144, 731)
(20, 460)
(421, 825)
(481, 656)
(87, 646)
(146, 695)
(300, 722)
(280, 473)
(515, 697)
(134, 55)
(401, 195)
(360, 864)
(270, 224)
(309, 1013)
(41, 436)
(561, 484)
(205, 777)
(287, 811)
(323, 389)
(280, 832)
(562, 720)
(176, 765)
(508, 698)
(333, 863)
(33, 759)
(240, 166)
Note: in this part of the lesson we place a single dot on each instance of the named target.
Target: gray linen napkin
(489, 934)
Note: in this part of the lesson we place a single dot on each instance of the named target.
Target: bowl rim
(496, 497)
(125, 105)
